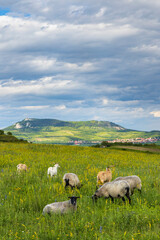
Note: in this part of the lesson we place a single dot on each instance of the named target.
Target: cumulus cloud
(61, 107)
(101, 12)
(34, 107)
(156, 114)
(38, 87)
(152, 49)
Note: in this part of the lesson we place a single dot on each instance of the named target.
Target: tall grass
(23, 196)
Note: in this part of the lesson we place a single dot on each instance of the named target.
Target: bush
(9, 133)
(1, 132)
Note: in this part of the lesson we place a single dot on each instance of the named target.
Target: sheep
(22, 167)
(61, 207)
(52, 171)
(117, 189)
(134, 182)
(72, 180)
(104, 176)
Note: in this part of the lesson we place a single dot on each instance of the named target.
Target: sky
(80, 60)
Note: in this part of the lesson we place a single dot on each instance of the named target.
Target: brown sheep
(22, 167)
(104, 176)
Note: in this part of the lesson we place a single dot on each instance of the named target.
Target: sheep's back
(115, 189)
(104, 176)
(134, 181)
(118, 188)
(73, 179)
(59, 207)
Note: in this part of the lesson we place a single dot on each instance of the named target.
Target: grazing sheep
(22, 167)
(104, 176)
(72, 180)
(118, 189)
(61, 207)
(134, 182)
(52, 171)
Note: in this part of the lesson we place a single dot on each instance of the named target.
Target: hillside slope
(9, 137)
(56, 131)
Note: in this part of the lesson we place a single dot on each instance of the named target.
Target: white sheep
(118, 189)
(22, 167)
(134, 182)
(104, 176)
(72, 180)
(52, 171)
(61, 207)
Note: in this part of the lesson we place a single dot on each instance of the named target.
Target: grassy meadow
(23, 196)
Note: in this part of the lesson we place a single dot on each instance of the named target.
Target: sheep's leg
(123, 199)
(49, 214)
(127, 195)
(111, 198)
(140, 190)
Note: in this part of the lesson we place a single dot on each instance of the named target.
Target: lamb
(134, 182)
(22, 167)
(61, 207)
(117, 189)
(52, 171)
(104, 176)
(72, 180)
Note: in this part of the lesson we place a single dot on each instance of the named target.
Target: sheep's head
(66, 182)
(73, 200)
(95, 196)
(108, 169)
(57, 165)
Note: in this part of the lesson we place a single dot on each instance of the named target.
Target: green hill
(56, 131)
(9, 137)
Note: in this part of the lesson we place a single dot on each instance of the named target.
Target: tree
(9, 133)
(1, 132)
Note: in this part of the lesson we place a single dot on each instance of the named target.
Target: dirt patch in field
(156, 150)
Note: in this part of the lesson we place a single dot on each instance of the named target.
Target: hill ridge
(49, 130)
(36, 122)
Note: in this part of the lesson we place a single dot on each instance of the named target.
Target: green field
(23, 196)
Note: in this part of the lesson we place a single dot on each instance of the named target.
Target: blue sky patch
(4, 11)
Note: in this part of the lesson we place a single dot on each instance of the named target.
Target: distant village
(132, 140)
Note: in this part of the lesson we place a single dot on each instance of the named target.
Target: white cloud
(153, 49)
(101, 12)
(38, 87)
(105, 101)
(72, 56)
(60, 107)
(34, 107)
(18, 33)
(76, 10)
(156, 114)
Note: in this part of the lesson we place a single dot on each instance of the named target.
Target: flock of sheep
(121, 187)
